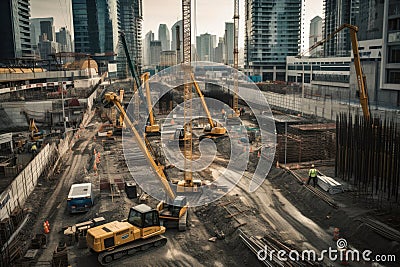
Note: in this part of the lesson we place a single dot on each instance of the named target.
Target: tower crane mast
(235, 104)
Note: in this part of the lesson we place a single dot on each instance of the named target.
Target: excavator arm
(357, 64)
(113, 98)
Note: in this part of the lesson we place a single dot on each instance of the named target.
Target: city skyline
(208, 20)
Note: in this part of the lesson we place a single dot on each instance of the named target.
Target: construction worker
(34, 149)
(312, 174)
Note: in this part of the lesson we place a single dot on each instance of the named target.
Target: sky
(210, 17)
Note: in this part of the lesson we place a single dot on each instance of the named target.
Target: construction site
(183, 169)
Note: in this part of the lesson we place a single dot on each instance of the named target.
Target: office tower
(63, 37)
(15, 31)
(163, 36)
(149, 37)
(338, 12)
(272, 33)
(219, 51)
(315, 35)
(155, 53)
(95, 26)
(130, 16)
(228, 49)
(205, 45)
(174, 38)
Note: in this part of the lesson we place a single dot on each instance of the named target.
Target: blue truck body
(80, 198)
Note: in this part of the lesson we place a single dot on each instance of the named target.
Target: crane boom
(134, 73)
(153, 127)
(112, 97)
(357, 64)
(203, 102)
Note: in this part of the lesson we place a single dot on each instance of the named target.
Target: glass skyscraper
(272, 34)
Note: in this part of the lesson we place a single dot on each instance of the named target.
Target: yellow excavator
(35, 134)
(361, 79)
(118, 239)
(144, 226)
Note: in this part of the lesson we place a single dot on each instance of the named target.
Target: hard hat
(312, 165)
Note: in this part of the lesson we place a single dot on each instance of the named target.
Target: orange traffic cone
(336, 234)
(48, 225)
(259, 154)
(45, 228)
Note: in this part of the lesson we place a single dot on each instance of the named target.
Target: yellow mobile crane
(142, 229)
(212, 130)
(153, 128)
(361, 80)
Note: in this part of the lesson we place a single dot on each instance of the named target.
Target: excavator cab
(142, 216)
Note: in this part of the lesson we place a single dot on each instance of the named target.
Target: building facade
(164, 37)
(315, 36)
(14, 21)
(167, 58)
(338, 12)
(155, 53)
(273, 31)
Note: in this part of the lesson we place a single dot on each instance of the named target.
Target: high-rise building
(38, 26)
(130, 15)
(229, 32)
(174, 38)
(149, 37)
(219, 51)
(205, 45)
(63, 37)
(391, 47)
(338, 12)
(272, 33)
(315, 35)
(14, 30)
(163, 36)
(155, 53)
(95, 26)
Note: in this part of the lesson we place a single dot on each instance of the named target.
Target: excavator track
(108, 257)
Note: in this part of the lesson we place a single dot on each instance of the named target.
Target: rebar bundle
(368, 156)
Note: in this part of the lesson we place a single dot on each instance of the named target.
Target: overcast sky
(211, 15)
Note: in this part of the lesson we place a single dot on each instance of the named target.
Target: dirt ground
(282, 208)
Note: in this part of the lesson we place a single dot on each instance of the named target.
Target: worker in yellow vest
(312, 174)
(34, 149)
